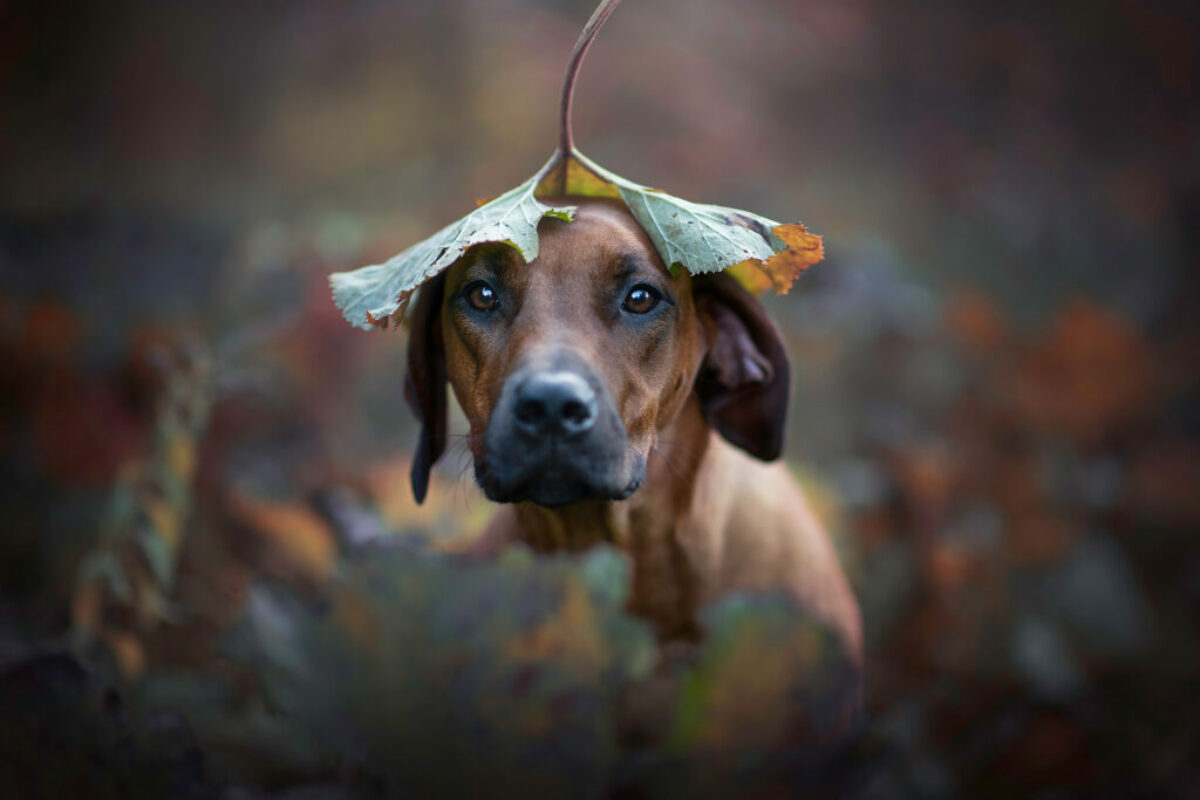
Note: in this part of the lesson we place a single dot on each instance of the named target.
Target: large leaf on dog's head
(373, 295)
(760, 253)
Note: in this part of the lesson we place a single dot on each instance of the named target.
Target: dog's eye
(481, 297)
(641, 299)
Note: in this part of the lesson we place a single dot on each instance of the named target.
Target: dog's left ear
(744, 379)
(425, 384)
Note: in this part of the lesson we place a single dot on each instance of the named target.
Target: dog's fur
(687, 404)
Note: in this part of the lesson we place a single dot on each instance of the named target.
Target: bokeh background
(995, 393)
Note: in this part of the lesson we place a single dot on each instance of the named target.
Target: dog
(612, 401)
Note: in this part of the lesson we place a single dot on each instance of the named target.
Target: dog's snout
(559, 403)
(555, 437)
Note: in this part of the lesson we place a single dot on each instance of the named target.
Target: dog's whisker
(674, 468)
(678, 446)
(692, 455)
(460, 447)
(465, 464)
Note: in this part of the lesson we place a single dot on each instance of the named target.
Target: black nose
(555, 403)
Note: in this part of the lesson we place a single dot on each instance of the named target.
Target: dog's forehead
(603, 234)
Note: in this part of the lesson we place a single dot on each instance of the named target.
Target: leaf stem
(566, 138)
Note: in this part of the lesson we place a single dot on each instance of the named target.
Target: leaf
(578, 180)
(759, 252)
(160, 556)
(373, 295)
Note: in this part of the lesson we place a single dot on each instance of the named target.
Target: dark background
(995, 402)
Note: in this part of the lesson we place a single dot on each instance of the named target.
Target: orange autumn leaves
(781, 270)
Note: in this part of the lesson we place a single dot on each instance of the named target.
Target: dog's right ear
(743, 380)
(425, 384)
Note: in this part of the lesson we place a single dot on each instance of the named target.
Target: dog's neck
(635, 523)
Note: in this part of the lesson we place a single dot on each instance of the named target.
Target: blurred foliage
(428, 674)
(456, 679)
(995, 406)
(123, 585)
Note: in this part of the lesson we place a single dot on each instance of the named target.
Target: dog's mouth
(552, 486)
(555, 438)
(556, 478)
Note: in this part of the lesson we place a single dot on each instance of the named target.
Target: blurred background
(995, 369)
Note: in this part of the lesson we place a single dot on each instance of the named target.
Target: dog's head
(568, 367)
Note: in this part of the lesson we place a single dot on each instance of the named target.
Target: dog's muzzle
(555, 437)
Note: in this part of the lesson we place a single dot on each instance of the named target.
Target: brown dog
(611, 401)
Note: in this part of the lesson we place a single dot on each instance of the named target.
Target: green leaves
(373, 295)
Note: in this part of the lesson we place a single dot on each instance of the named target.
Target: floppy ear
(425, 384)
(743, 380)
